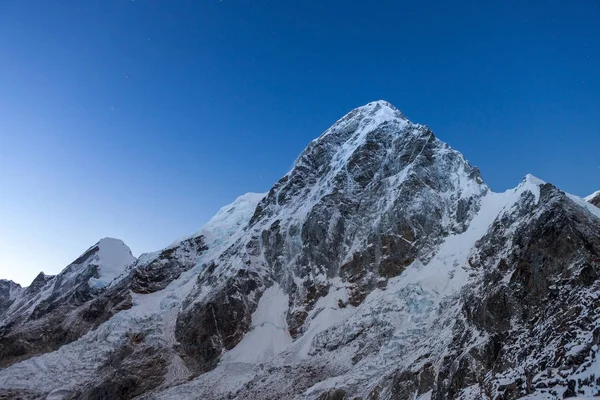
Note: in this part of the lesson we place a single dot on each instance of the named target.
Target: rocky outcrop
(157, 272)
(132, 369)
(40, 281)
(206, 329)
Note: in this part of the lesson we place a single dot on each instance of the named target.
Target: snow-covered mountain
(380, 267)
(43, 316)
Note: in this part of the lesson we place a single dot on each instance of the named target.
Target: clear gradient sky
(140, 119)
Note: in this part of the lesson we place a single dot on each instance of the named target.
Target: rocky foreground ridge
(380, 267)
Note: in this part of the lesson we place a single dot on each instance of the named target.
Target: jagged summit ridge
(361, 120)
(372, 139)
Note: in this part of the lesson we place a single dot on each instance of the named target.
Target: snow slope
(269, 335)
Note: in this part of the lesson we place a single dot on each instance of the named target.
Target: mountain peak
(380, 103)
(381, 110)
(533, 180)
(364, 119)
(112, 256)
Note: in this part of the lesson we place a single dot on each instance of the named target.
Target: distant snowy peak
(98, 266)
(532, 184)
(111, 256)
(105, 260)
(594, 198)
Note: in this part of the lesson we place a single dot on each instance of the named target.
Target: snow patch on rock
(269, 333)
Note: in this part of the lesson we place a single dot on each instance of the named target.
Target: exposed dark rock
(20, 394)
(38, 283)
(132, 370)
(208, 328)
(167, 266)
(333, 394)
(404, 386)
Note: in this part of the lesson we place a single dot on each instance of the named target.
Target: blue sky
(140, 119)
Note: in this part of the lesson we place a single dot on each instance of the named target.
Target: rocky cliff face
(380, 267)
(370, 196)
